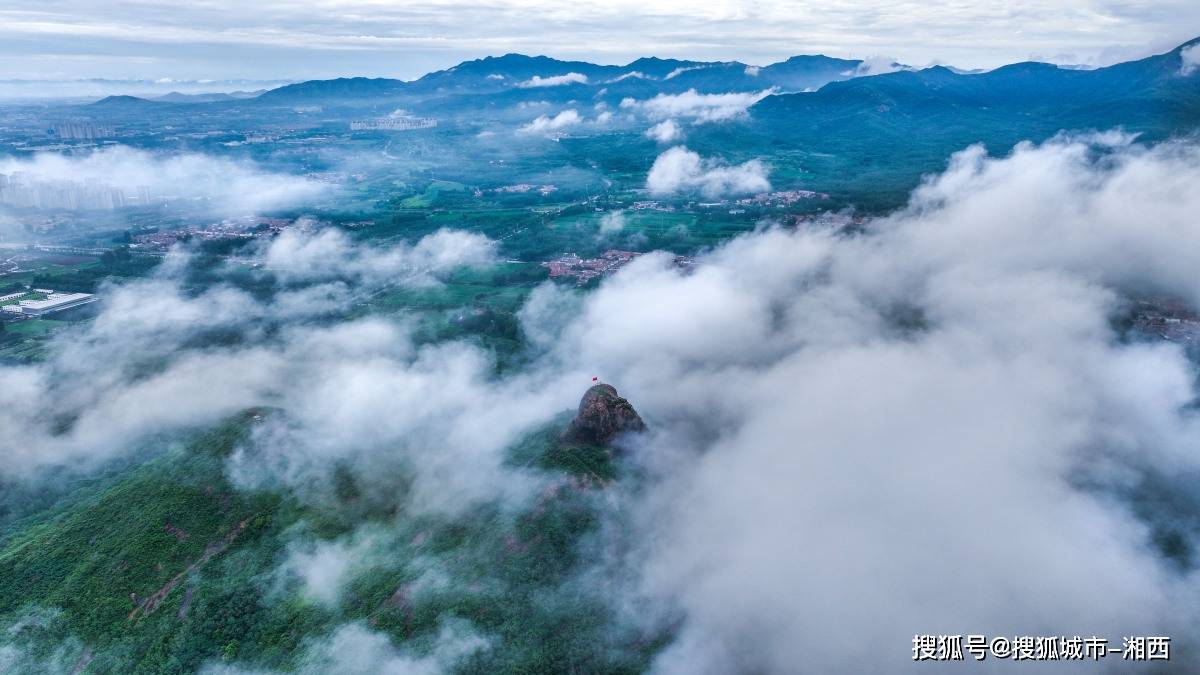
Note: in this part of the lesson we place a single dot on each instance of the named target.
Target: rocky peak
(602, 416)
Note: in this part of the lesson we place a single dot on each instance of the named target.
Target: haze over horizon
(283, 39)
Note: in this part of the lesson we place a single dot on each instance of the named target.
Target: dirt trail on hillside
(151, 602)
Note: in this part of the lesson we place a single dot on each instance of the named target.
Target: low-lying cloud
(85, 404)
(681, 170)
(683, 69)
(612, 223)
(700, 107)
(553, 81)
(224, 186)
(861, 438)
(1189, 58)
(299, 254)
(545, 123)
(933, 424)
(666, 131)
(355, 649)
(631, 74)
(875, 65)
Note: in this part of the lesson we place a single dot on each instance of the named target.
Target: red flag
(595, 379)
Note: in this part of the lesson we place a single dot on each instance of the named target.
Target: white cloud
(604, 117)
(224, 186)
(396, 414)
(666, 131)
(612, 223)
(355, 649)
(544, 123)
(875, 65)
(679, 169)
(702, 107)
(633, 73)
(681, 70)
(302, 254)
(859, 438)
(752, 71)
(554, 80)
(150, 327)
(323, 568)
(298, 40)
(25, 643)
(1189, 59)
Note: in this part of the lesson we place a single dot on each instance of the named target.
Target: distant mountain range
(900, 125)
(1059, 96)
(830, 116)
(178, 97)
(651, 75)
(816, 95)
(816, 92)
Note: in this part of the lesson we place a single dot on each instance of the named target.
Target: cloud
(666, 131)
(612, 223)
(604, 117)
(221, 185)
(702, 107)
(361, 37)
(140, 369)
(544, 123)
(324, 567)
(752, 71)
(683, 69)
(304, 254)
(396, 414)
(856, 437)
(859, 437)
(554, 81)
(355, 649)
(633, 73)
(1189, 58)
(23, 644)
(679, 170)
(875, 65)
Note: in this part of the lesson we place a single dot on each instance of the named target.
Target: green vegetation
(166, 566)
(157, 563)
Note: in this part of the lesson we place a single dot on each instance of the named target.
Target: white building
(55, 302)
(402, 123)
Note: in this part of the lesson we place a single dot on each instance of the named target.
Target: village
(583, 270)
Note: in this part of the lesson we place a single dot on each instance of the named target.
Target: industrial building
(54, 302)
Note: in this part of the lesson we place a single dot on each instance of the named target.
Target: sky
(293, 39)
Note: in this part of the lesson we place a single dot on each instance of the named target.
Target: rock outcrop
(603, 415)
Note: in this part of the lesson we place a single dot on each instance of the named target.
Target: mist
(681, 170)
(224, 186)
(135, 371)
(928, 428)
(929, 423)
(699, 107)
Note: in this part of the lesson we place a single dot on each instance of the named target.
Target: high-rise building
(400, 123)
(77, 130)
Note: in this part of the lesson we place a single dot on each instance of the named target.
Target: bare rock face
(603, 415)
